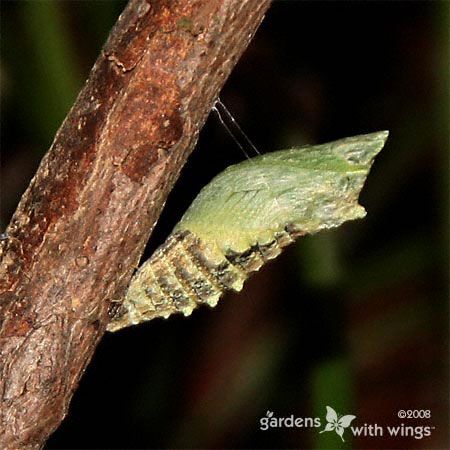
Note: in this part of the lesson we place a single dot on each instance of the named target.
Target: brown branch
(82, 224)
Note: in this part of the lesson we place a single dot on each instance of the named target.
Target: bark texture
(81, 226)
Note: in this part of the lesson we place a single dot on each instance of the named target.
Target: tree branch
(81, 226)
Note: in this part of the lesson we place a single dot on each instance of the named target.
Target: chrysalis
(243, 218)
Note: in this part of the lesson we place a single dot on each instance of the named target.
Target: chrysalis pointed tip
(378, 138)
(362, 149)
(382, 134)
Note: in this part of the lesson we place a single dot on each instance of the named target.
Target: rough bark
(82, 224)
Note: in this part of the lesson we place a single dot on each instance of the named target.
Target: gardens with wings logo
(340, 424)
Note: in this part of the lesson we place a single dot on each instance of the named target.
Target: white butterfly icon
(336, 422)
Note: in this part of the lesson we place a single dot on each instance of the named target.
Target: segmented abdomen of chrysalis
(184, 273)
(243, 218)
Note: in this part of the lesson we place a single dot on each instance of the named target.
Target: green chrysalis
(243, 218)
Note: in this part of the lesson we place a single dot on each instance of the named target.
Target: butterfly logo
(336, 422)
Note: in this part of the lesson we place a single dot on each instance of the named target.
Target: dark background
(355, 318)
